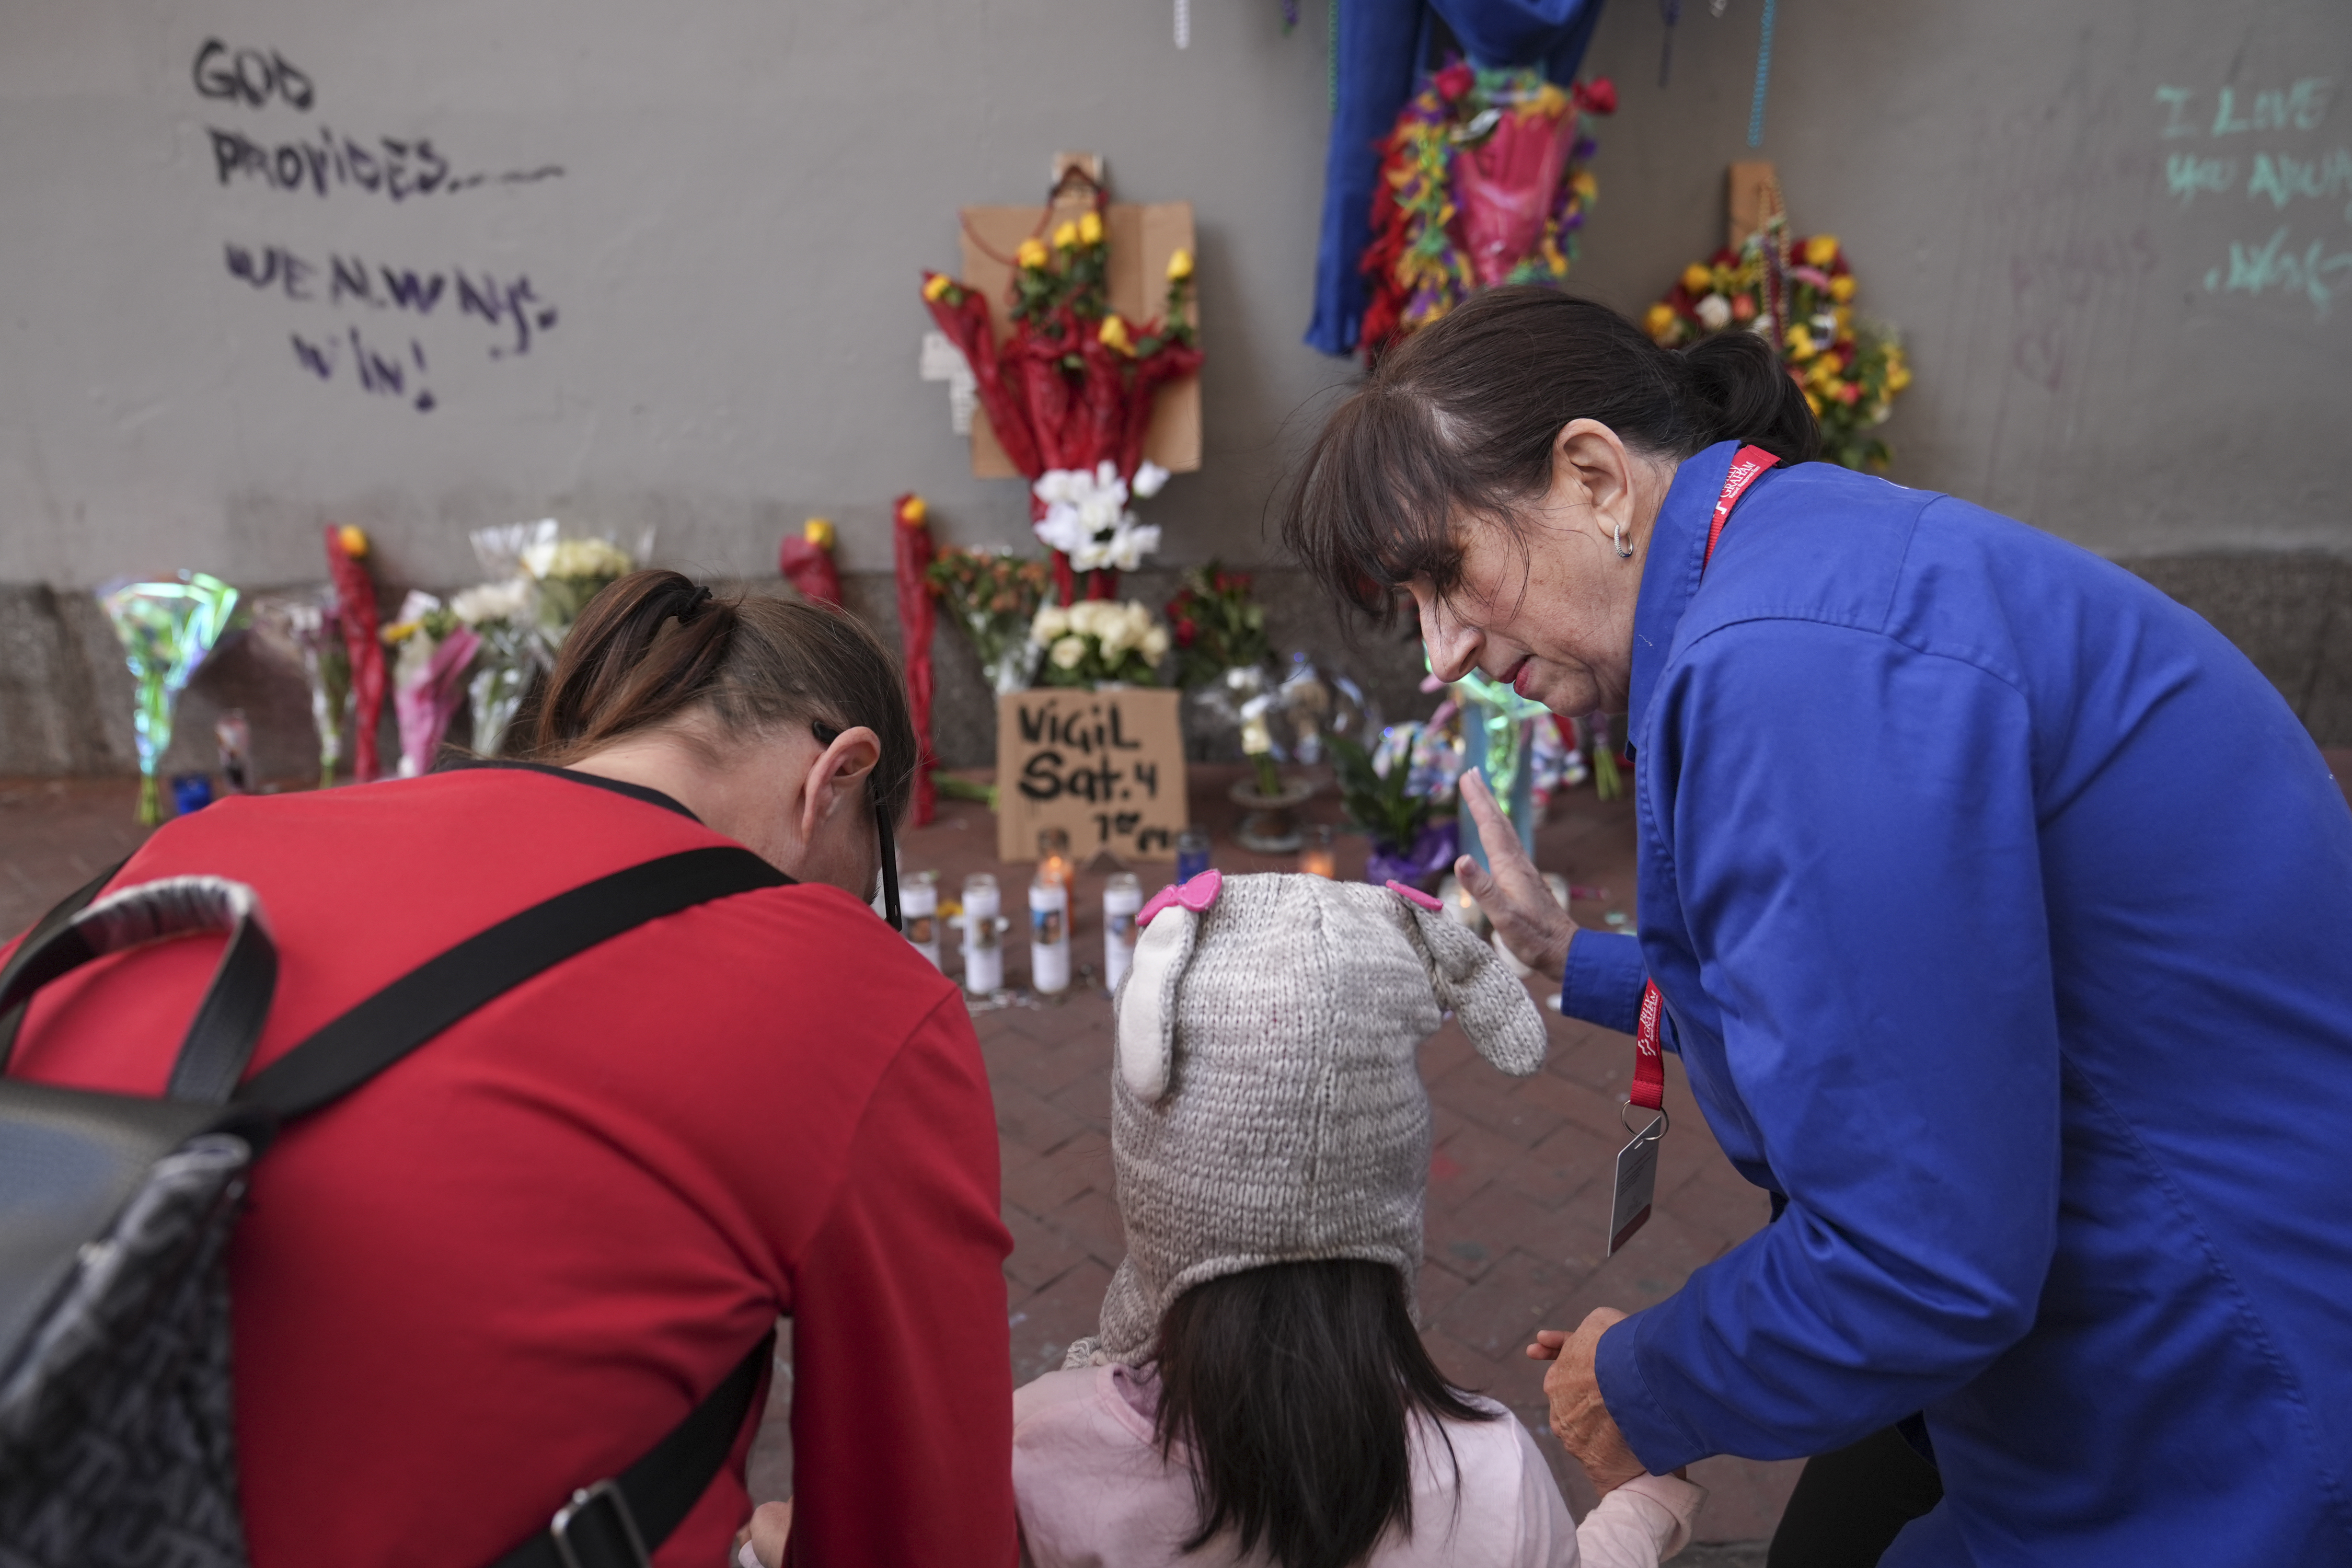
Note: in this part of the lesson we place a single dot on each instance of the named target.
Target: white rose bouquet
(1096, 640)
(501, 616)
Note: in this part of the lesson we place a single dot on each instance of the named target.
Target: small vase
(1272, 825)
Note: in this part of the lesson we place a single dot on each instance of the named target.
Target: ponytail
(654, 648)
(1735, 389)
(1460, 419)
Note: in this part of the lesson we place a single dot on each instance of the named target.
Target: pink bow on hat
(1196, 895)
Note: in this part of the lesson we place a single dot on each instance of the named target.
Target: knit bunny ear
(1473, 983)
(1147, 1002)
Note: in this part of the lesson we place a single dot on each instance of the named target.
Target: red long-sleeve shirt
(508, 1264)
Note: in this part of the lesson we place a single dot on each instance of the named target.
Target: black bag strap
(352, 1048)
(620, 1523)
(72, 904)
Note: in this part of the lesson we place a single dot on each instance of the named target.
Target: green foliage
(1217, 622)
(1381, 806)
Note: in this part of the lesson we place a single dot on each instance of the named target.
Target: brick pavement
(1518, 1182)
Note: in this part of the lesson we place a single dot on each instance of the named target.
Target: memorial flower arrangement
(807, 563)
(507, 655)
(432, 651)
(166, 628)
(1069, 392)
(1485, 180)
(1099, 639)
(993, 595)
(1217, 624)
(1800, 294)
(302, 628)
(569, 572)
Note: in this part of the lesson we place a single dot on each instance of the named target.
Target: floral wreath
(1799, 293)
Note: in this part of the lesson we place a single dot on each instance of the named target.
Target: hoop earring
(1624, 551)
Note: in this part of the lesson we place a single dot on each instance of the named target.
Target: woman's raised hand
(1525, 914)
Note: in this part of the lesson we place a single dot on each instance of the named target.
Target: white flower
(1087, 519)
(576, 558)
(1069, 653)
(1129, 545)
(1715, 313)
(1147, 480)
(493, 602)
(1051, 622)
(1155, 644)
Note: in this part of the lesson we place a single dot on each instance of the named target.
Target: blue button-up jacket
(2004, 916)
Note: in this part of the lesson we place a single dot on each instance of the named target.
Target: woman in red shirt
(512, 1263)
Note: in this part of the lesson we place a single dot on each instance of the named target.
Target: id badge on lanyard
(1636, 1185)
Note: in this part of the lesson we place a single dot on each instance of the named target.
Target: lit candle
(1049, 935)
(1316, 858)
(984, 955)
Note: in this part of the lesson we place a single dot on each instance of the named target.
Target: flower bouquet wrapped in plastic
(564, 573)
(507, 655)
(166, 629)
(347, 553)
(1096, 640)
(433, 649)
(301, 626)
(993, 595)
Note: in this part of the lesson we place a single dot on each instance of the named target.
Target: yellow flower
(1090, 229)
(1584, 184)
(936, 285)
(1801, 344)
(912, 512)
(1180, 267)
(353, 540)
(1032, 255)
(1697, 280)
(1898, 378)
(1828, 365)
(818, 531)
(1814, 402)
(1114, 336)
(1066, 238)
(1841, 288)
(1549, 101)
(1659, 322)
(1843, 316)
(400, 631)
(1821, 249)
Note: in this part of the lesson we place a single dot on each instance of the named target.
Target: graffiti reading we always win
(395, 167)
(510, 307)
(2277, 174)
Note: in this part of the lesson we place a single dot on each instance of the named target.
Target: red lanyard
(1649, 1067)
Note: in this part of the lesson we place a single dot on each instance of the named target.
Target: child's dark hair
(1293, 1387)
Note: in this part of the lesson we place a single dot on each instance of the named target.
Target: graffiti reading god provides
(1106, 767)
(506, 308)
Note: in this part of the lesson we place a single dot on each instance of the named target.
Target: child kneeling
(1257, 1391)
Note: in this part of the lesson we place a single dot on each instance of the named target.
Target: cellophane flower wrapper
(1432, 851)
(434, 649)
(355, 609)
(1097, 640)
(301, 627)
(565, 570)
(166, 628)
(509, 652)
(993, 595)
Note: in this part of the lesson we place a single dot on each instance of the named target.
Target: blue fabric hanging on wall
(1381, 46)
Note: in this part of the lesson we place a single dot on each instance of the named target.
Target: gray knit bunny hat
(1267, 1105)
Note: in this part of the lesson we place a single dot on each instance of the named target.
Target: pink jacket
(1094, 1492)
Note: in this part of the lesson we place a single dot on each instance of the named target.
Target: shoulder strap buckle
(596, 1530)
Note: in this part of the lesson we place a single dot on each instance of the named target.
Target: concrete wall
(2108, 343)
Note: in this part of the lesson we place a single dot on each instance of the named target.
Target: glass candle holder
(1191, 853)
(919, 901)
(1049, 935)
(1122, 899)
(1316, 857)
(983, 950)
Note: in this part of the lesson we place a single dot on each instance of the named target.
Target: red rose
(1185, 632)
(1454, 81)
(1599, 98)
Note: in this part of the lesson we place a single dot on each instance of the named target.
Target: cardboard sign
(1106, 767)
(1141, 238)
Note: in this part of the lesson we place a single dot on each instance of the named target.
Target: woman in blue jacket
(2002, 914)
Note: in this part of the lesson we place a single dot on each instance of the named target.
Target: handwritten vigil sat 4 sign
(1106, 767)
